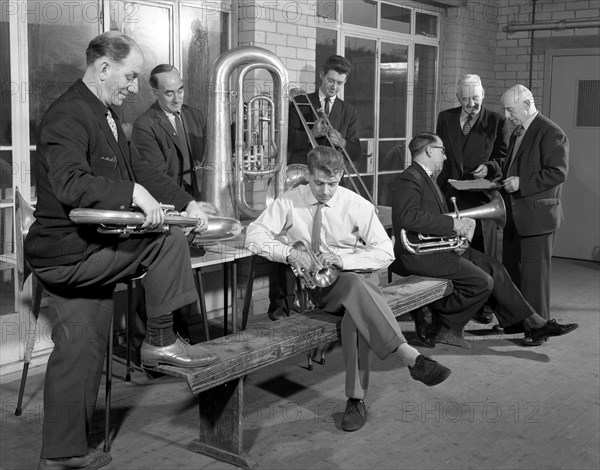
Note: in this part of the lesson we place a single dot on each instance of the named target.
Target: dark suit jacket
(542, 164)
(465, 153)
(157, 143)
(417, 208)
(80, 164)
(343, 118)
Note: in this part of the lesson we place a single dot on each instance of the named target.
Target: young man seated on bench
(343, 231)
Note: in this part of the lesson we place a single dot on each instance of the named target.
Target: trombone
(321, 116)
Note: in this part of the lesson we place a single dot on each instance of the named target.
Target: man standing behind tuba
(343, 230)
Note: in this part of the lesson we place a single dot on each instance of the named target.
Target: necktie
(112, 124)
(467, 126)
(185, 151)
(315, 236)
(327, 106)
(513, 146)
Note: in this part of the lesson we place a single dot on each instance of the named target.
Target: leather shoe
(451, 337)
(179, 354)
(91, 461)
(428, 371)
(423, 328)
(529, 341)
(511, 329)
(484, 317)
(551, 328)
(277, 314)
(355, 415)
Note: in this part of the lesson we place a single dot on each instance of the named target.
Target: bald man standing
(532, 172)
(472, 135)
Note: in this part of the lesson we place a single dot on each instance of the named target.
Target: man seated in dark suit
(84, 160)
(472, 135)
(344, 134)
(170, 135)
(419, 207)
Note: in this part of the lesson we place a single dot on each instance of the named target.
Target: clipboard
(474, 185)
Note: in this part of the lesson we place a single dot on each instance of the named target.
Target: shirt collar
(463, 115)
(322, 98)
(311, 200)
(427, 170)
(528, 122)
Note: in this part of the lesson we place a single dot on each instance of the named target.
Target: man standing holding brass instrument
(343, 130)
(419, 208)
(343, 231)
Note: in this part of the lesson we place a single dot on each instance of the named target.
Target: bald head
(470, 93)
(518, 104)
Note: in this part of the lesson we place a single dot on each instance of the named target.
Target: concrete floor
(503, 407)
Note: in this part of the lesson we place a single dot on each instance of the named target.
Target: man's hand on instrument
(149, 206)
(193, 209)
(511, 184)
(480, 172)
(337, 139)
(320, 128)
(464, 227)
(329, 258)
(301, 263)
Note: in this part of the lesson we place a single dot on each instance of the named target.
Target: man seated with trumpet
(343, 232)
(419, 208)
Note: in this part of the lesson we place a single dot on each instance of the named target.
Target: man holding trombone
(419, 207)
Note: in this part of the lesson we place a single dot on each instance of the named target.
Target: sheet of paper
(474, 185)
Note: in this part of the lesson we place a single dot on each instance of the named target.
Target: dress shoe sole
(530, 342)
(151, 364)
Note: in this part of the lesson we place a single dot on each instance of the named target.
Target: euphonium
(129, 223)
(318, 275)
(494, 210)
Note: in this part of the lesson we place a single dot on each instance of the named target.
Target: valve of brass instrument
(317, 275)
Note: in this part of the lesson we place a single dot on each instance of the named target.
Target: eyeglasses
(439, 147)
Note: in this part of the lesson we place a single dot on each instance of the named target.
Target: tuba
(259, 150)
(494, 210)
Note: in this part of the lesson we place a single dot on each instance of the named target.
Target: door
(572, 102)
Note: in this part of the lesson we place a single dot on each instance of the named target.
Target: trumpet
(494, 210)
(127, 223)
(318, 275)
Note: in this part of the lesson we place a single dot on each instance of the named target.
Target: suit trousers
(368, 324)
(480, 276)
(81, 297)
(528, 261)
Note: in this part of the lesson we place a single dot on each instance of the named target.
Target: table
(226, 253)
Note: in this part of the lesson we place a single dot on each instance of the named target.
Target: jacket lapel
(437, 192)
(456, 138)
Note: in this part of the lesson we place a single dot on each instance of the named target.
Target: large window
(393, 50)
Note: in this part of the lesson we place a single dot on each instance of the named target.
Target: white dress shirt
(348, 221)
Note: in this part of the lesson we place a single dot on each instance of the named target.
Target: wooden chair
(23, 220)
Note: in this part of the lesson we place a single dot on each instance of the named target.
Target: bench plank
(267, 342)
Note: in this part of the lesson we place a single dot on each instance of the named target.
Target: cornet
(494, 210)
(318, 275)
(127, 223)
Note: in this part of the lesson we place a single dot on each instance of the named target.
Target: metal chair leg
(108, 389)
(30, 339)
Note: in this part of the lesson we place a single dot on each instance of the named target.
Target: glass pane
(393, 90)
(327, 9)
(360, 87)
(367, 180)
(6, 230)
(57, 44)
(360, 12)
(7, 281)
(424, 88)
(386, 188)
(391, 155)
(5, 92)
(426, 25)
(326, 47)
(364, 163)
(395, 18)
(204, 37)
(6, 176)
(150, 27)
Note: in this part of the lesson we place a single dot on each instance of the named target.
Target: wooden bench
(220, 386)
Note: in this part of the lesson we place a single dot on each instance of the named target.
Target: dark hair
(112, 44)
(326, 159)
(162, 68)
(338, 64)
(419, 142)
